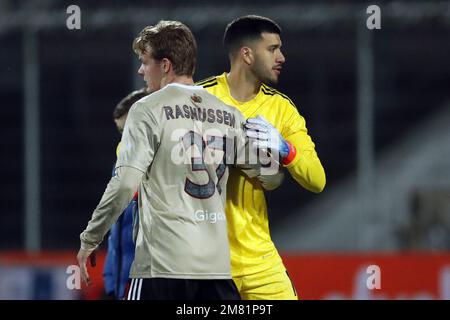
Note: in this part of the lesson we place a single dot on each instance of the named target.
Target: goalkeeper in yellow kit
(254, 48)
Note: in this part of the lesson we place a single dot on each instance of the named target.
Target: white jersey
(180, 137)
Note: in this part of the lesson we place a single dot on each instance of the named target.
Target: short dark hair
(171, 40)
(125, 104)
(247, 28)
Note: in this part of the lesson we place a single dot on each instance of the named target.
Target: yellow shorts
(271, 284)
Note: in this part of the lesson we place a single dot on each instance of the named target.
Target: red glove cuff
(291, 155)
(135, 197)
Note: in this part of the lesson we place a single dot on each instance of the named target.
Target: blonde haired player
(182, 250)
(254, 48)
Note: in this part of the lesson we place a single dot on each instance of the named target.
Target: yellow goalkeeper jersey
(252, 249)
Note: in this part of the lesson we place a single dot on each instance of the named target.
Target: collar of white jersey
(187, 86)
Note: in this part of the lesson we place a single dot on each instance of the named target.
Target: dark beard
(260, 74)
(270, 82)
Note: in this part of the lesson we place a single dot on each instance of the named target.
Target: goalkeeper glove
(268, 138)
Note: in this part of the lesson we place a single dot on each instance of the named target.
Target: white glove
(267, 136)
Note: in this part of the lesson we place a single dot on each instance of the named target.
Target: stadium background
(376, 102)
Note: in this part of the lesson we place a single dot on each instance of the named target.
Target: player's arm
(139, 143)
(294, 149)
(256, 164)
(115, 199)
(305, 166)
(249, 161)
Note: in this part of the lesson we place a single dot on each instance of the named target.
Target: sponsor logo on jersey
(211, 217)
(196, 98)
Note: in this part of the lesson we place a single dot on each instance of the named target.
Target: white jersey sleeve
(140, 139)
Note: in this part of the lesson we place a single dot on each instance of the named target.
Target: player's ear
(166, 65)
(247, 55)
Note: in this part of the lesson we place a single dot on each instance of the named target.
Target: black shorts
(182, 289)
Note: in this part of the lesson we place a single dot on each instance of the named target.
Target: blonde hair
(171, 40)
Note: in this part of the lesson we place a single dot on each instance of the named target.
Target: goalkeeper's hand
(268, 138)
